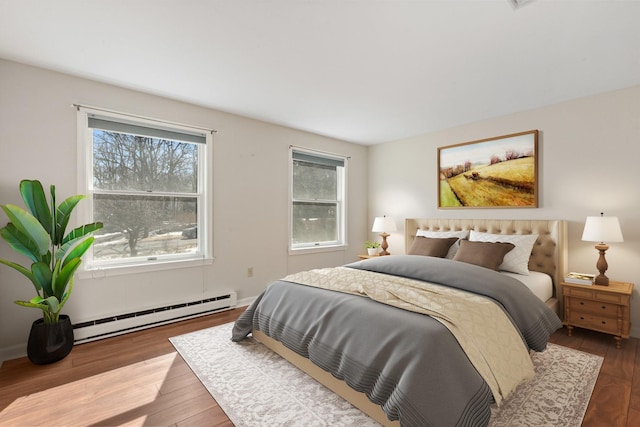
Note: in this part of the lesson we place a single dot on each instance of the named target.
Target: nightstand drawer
(581, 293)
(602, 309)
(598, 294)
(595, 322)
(612, 298)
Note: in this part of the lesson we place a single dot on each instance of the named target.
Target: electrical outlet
(250, 272)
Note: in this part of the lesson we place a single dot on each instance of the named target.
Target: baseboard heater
(130, 322)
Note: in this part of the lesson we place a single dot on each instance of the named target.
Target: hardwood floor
(616, 397)
(139, 380)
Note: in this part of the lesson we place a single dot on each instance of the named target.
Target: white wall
(250, 174)
(589, 153)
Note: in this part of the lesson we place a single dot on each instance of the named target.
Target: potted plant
(39, 234)
(372, 247)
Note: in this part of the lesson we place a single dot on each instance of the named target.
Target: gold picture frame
(499, 172)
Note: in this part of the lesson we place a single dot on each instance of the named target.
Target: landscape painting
(498, 172)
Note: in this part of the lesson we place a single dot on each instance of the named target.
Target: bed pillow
(431, 246)
(484, 254)
(463, 234)
(516, 261)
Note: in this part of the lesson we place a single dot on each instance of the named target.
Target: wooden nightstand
(364, 256)
(599, 308)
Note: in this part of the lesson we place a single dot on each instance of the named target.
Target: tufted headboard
(549, 254)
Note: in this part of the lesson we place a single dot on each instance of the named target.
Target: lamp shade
(602, 229)
(383, 224)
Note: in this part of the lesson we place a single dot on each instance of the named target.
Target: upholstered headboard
(549, 254)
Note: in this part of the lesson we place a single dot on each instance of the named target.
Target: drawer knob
(581, 303)
(604, 323)
(604, 307)
(581, 318)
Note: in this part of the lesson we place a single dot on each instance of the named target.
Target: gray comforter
(407, 362)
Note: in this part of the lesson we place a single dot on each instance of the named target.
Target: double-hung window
(318, 211)
(147, 182)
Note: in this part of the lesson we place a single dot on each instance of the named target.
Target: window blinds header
(153, 132)
(317, 159)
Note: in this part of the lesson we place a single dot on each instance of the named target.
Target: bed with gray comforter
(406, 362)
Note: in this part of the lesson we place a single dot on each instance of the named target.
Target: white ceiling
(366, 71)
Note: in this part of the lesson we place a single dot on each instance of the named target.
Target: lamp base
(601, 280)
(602, 265)
(384, 244)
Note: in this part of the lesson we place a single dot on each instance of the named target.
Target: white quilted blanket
(483, 330)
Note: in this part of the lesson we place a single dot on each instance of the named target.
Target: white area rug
(256, 387)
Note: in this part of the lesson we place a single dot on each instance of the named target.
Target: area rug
(257, 387)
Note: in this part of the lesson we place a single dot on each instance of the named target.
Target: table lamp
(600, 229)
(381, 225)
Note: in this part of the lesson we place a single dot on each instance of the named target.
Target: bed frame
(549, 255)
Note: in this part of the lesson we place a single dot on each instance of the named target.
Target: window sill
(306, 251)
(142, 267)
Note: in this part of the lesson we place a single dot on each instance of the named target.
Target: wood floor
(139, 380)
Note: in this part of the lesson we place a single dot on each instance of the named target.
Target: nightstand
(364, 256)
(599, 308)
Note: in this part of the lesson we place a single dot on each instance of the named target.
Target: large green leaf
(74, 249)
(31, 303)
(20, 242)
(34, 198)
(81, 231)
(54, 216)
(42, 275)
(64, 276)
(67, 294)
(28, 225)
(63, 213)
(53, 303)
(50, 306)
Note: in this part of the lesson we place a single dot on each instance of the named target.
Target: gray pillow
(484, 254)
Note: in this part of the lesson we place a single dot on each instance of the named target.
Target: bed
(548, 256)
(418, 340)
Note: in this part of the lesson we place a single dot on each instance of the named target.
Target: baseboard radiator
(130, 322)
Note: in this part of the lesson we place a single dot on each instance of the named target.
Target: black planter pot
(50, 343)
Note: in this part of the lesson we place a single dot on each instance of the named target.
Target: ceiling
(366, 71)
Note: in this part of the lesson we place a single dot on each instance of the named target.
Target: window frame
(204, 254)
(341, 200)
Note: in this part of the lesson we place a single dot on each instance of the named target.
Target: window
(147, 183)
(317, 199)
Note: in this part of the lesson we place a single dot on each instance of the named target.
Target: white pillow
(516, 260)
(443, 235)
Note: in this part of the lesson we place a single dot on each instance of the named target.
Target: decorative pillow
(484, 254)
(463, 234)
(429, 246)
(516, 261)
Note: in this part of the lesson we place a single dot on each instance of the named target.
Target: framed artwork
(500, 172)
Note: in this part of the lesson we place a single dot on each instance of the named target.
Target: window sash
(140, 153)
(164, 226)
(319, 229)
